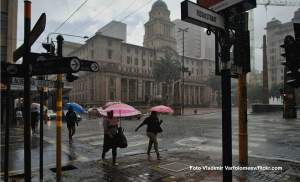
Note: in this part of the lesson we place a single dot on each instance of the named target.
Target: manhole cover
(175, 167)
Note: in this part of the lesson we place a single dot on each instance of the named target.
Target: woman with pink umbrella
(153, 127)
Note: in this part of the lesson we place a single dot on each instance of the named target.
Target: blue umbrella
(76, 107)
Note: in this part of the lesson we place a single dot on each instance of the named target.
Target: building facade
(9, 14)
(126, 70)
(114, 29)
(276, 32)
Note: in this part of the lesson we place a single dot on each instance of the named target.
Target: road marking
(21, 170)
(68, 151)
(197, 139)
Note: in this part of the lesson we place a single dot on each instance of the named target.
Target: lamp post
(182, 69)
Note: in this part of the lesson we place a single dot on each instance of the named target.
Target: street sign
(231, 6)
(57, 66)
(201, 16)
(34, 82)
(236, 69)
(8, 69)
(41, 78)
(37, 30)
(289, 96)
(186, 69)
(91, 66)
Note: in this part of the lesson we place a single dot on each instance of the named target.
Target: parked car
(64, 113)
(96, 112)
(51, 114)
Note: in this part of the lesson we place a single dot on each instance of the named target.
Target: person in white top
(19, 117)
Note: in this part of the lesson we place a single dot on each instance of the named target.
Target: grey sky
(58, 11)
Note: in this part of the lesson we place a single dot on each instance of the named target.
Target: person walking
(71, 118)
(19, 117)
(34, 118)
(110, 125)
(153, 126)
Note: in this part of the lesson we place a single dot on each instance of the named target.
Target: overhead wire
(123, 18)
(64, 22)
(93, 17)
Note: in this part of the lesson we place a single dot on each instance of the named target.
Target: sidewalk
(143, 168)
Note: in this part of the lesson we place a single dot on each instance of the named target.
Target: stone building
(126, 70)
(276, 32)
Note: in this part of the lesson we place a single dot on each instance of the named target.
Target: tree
(254, 93)
(214, 82)
(166, 69)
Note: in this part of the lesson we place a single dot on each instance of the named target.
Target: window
(121, 59)
(272, 78)
(197, 72)
(144, 62)
(82, 97)
(112, 96)
(92, 94)
(109, 42)
(128, 49)
(150, 63)
(192, 70)
(92, 54)
(151, 54)
(201, 72)
(111, 81)
(128, 60)
(136, 50)
(144, 52)
(201, 64)
(281, 77)
(92, 43)
(192, 62)
(281, 70)
(109, 54)
(136, 61)
(197, 63)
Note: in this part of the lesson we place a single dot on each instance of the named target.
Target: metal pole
(27, 117)
(59, 39)
(142, 76)
(226, 106)
(41, 132)
(7, 123)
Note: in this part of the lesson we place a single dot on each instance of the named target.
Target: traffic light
(49, 47)
(292, 62)
(280, 91)
(242, 50)
(189, 73)
(72, 77)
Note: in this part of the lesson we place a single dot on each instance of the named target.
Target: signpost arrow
(9, 70)
(91, 66)
(33, 36)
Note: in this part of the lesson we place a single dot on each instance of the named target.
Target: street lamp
(182, 69)
(85, 37)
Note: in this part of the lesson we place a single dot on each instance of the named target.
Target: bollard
(195, 111)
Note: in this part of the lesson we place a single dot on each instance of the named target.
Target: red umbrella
(110, 103)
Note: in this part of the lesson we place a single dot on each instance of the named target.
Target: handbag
(122, 141)
(159, 129)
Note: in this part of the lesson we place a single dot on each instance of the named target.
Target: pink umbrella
(110, 103)
(161, 108)
(118, 108)
(122, 113)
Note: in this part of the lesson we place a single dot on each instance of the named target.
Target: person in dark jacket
(152, 123)
(71, 118)
(34, 118)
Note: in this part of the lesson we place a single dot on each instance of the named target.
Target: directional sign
(37, 30)
(8, 69)
(201, 16)
(224, 6)
(34, 82)
(56, 66)
(91, 66)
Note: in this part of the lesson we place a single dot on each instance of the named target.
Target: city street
(268, 136)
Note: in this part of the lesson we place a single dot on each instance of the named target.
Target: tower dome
(159, 4)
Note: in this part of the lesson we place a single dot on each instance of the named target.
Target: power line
(125, 10)
(93, 17)
(64, 22)
(124, 18)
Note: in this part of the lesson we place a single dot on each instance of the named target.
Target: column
(136, 90)
(127, 89)
(199, 100)
(189, 94)
(194, 95)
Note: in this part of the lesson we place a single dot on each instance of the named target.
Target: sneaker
(115, 164)
(159, 157)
